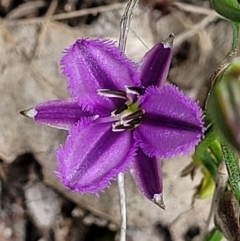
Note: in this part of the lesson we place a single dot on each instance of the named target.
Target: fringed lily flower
(120, 116)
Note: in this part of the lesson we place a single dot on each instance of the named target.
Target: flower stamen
(112, 93)
(135, 115)
(128, 115)
(135, 90)
(129, 121)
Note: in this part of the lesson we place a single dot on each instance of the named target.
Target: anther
(120, 127)
(136, 115)
(134, 122)
(135, 90)
(112, 93)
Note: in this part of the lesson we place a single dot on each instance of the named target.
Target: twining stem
(124, 29)
(233, 52)
(125, 23)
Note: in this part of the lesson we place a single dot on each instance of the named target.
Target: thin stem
(233, 52)
(124, 29)
(125, 24)
(123, 208)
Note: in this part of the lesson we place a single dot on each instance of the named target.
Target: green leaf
(232, 165)
(207, 186)
(229, 9)
(214, 235)
(208, 153)
(207, 156)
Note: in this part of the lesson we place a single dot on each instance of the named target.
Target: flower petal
(61, 114)
(147, 174)
(171, 124)
(93, 155)
(99, 105)
(91, 65)
(155, 64)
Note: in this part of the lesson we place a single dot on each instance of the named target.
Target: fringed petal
(99, 105)
(91, 65)
(148, 176)
(155, 64)
(171, 125)
(93, 155)
(61, 114)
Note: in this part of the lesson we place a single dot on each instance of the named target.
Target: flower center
(127, 116)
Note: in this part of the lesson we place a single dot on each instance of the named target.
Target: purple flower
(120, 115)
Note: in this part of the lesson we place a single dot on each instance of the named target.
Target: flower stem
(125, 23)
(122, 206)
(124, 28)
